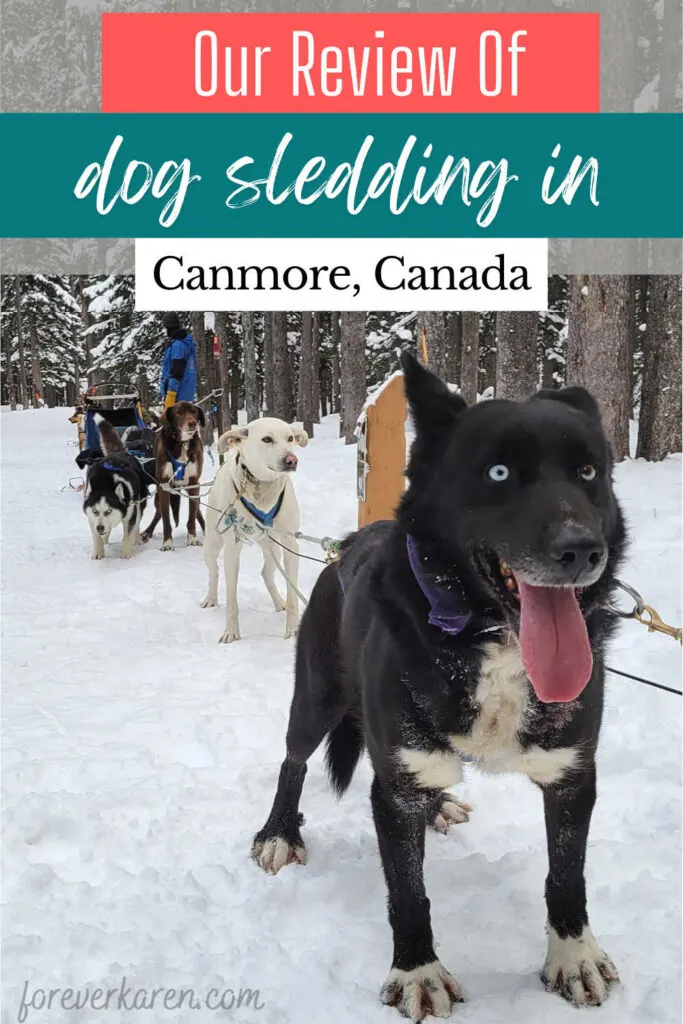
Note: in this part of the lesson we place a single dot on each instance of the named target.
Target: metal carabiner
(639, 608)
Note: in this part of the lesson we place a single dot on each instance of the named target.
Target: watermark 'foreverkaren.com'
(127, 997)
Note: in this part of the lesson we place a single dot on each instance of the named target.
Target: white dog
(253, 490)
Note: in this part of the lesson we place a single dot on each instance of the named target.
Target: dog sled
(120, 405)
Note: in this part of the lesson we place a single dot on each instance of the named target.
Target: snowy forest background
(619, 336)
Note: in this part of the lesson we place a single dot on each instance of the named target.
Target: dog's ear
(232, 438)
(170, 419)
(575, 396)
(300, 435)
(120, 492)
(435, 408)
(200, 416)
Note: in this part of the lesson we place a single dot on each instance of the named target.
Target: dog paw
(167, 545)
(229, 636)
(578, 969)
(291, 631)
(210, 602)
(193, 542)
(273, 854)
(145, 537)
(451, 811)
(126, 554)
(96, 555)
(429, 989)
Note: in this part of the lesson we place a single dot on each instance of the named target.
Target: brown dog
(179, 456)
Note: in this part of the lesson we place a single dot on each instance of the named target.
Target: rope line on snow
(640, 679)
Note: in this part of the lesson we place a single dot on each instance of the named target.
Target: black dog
(472, 627)
(116, 491)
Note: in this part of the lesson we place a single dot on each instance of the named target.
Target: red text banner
(338, 63)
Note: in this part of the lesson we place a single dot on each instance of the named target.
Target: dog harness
(445, 611)
(264, 518)
(179, 464)
(244, 526)
(178, 468)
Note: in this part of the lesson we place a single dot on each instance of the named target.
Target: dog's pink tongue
(556, 652)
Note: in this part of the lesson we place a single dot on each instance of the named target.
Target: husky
(473, 627)
(116, 491)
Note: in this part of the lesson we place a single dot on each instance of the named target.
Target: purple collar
(445, 611)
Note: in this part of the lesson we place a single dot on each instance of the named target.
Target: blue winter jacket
(179, 369)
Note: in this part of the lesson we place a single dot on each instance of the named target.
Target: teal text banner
(393, 175)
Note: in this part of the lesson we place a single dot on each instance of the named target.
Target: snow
(140, 757)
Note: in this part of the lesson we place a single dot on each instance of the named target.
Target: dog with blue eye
(470, 628)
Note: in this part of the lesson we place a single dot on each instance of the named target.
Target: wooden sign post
(382, 452)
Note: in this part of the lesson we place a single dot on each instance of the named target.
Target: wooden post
(382, 453)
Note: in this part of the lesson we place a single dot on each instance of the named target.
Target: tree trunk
(598, 349)
(77, 290)
(315, 333)
(353, 390)
(548, 372)
(23, 387)
(9, 373)
(306, 398)
(225, 420)
(469, 373)
(36, 371)
(77, 361)
(335, 368)
(640, 335)
(283, 395)
(251, 390)
(453, 347)
(516, 349)
(236, 377)
(198, 332)
(268, 384)
(434, 328)
(659, 431)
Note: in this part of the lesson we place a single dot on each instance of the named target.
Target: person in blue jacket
(179, 368)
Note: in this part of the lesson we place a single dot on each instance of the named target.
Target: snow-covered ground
(140, 757)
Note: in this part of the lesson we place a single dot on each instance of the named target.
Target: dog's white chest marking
(501, 698)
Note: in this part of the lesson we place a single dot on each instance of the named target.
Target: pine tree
(660, 411)
(453, 347)
(283, 400)
(353, 385)
(306, 395)
(250, 371)
(432, 331)
(268, 382)
(469, 376)
(23, 383)
(516, 367)
(598, 349)
(222, 333)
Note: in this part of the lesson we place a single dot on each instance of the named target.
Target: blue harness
(264, 518)
(178, 468)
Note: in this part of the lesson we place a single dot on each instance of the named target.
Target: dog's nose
(577, 550)
(291, 461)
(100, 528)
